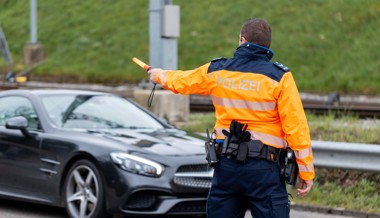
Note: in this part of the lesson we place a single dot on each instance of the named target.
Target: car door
(19, 154)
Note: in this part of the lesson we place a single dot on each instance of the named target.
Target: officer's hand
(153, 73)
(304, 187)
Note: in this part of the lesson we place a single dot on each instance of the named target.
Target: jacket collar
(253, 50)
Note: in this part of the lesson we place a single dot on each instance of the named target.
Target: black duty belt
(251, 149)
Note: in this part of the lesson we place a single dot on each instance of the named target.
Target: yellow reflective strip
(265, 138)
(269, 139)
(308, 168)
(218, 133)
(301, 154)
(234, 103)
(162, 76)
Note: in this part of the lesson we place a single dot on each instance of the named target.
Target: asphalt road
(15, 209)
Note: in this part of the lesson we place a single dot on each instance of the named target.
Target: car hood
(170, 142)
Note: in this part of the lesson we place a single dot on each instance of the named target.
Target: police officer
(262, 95)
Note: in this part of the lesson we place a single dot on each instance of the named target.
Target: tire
(84, 191)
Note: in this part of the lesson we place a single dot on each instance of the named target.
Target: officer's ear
(241, 39)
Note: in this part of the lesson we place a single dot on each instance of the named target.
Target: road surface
(15, 209)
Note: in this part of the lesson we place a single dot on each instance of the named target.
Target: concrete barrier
(172, 107)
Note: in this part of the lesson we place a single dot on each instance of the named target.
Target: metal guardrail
(341, 155)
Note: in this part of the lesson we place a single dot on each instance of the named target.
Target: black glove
(238, 133)
(237, 139)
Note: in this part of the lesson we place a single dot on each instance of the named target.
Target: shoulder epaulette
(281, 66)
(218, 59)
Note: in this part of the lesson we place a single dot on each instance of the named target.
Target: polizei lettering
(242, 84)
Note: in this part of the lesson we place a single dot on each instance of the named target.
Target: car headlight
(137, 164)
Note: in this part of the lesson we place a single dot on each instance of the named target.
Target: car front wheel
(84, 193)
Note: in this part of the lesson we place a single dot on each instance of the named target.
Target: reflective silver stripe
(50, 161)
(301, 154)
(308, 168)
(270, 139)
(48, 171)
(233, 103)
(163, 78)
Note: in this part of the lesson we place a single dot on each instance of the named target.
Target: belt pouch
(232, 149)
(242, 152)
(273, 154)
(225, 145)
(255, 148)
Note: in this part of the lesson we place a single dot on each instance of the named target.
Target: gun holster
(288, 166)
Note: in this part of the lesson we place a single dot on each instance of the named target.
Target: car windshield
(96, 112)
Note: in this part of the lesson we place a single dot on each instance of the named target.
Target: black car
(98, 155)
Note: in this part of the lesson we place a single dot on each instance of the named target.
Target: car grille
(189, 207)
(141, 201)
(197, 176)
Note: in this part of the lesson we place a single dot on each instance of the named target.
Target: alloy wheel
(82, 192)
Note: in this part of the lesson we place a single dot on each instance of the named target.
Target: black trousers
(254, 185)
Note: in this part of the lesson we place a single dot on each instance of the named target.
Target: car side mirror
(20, 123)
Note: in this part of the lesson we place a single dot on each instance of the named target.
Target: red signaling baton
(146, 67)
(143, 65)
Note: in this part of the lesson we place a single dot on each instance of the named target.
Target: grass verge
(328, 45)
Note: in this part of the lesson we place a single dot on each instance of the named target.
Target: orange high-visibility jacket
(250, 89)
